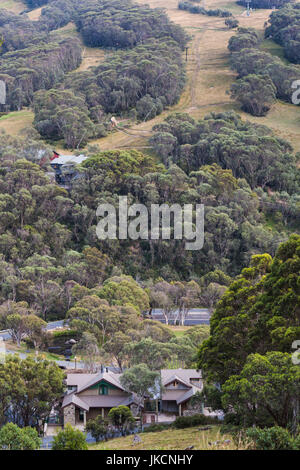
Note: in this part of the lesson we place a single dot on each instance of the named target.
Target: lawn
(171, 439)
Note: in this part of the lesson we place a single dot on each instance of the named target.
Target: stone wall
(69, 414)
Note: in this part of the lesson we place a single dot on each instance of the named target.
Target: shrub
(14, 438)
(231, 23)
(274, 438)
(297, 442)
(188, 6)
(229, 429)
(98, 428)
(122, 418)
(65, 334)
(189, 421)
(156, 427)
(69, 439)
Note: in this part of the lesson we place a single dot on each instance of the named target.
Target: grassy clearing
(91, 57)
(13, 123)
(34, 15)
(67, 30)
(171, 439)
(15, 6)
(284, 119)
(273, 48)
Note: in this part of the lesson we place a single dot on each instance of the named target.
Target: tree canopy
(285, 29)
(259, 313)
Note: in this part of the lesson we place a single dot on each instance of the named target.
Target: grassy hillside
(15, 6)
(208, 72)
(13, 123)
(34, 15)
(173, 439)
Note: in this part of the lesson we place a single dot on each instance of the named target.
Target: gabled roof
(179, 395)
(98, 401)
(183, 375)
(79, 380)
(179, 379)
(107, 401)
(72, 398)
(109, 377)
(187, 395)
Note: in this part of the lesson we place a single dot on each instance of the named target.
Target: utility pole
(186, 54)
(248, 7)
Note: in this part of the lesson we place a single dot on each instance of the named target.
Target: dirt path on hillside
(208, 73)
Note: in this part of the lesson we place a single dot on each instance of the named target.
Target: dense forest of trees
(35, 3)
(249, 150)
(53, 265)
(144, 79)
(18, 31)
(269, 76)
(37, 67)
(285, 29)
(252, 331)
(192, 8)
(240, 171)
(123, 24)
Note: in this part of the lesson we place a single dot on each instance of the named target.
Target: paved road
(196, 316)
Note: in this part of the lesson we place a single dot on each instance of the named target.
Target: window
(103, 390)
